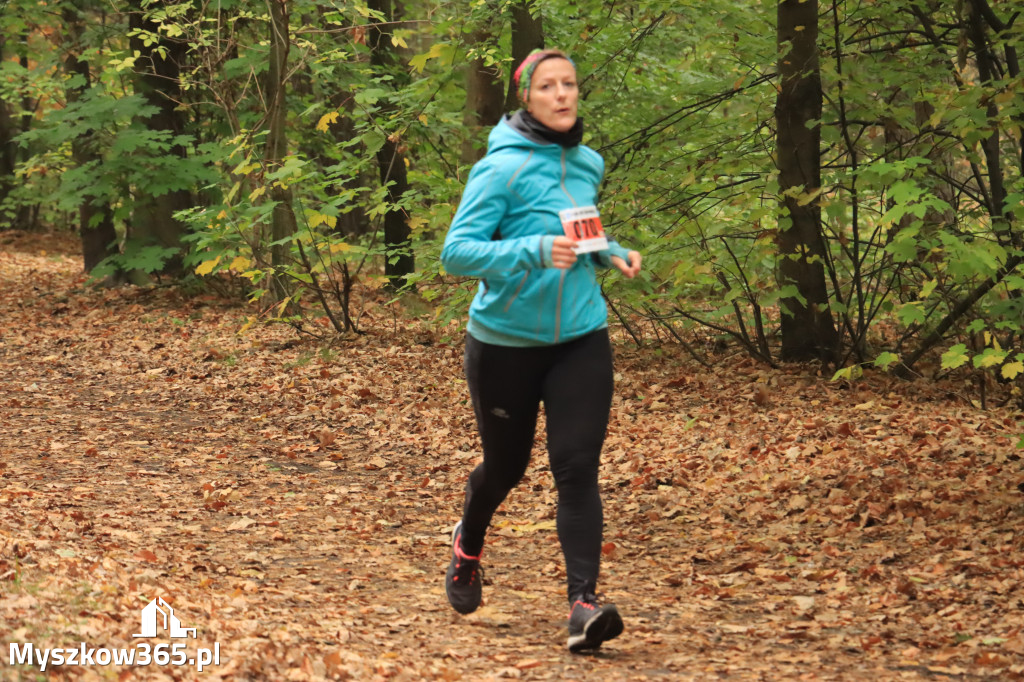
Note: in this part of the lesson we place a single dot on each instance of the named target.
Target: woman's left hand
(630, 269)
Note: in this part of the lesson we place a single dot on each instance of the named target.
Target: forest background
(838, 182)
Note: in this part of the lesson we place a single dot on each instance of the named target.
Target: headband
(524, 74)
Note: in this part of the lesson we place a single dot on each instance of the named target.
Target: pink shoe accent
(580, 602)
(462, 555)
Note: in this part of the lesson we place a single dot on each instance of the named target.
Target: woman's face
(553, 94)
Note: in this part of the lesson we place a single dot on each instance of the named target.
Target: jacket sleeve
(470, 248)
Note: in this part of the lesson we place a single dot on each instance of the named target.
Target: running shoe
(591, 624)
(463, 581)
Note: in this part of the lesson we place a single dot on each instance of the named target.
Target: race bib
(583, 226)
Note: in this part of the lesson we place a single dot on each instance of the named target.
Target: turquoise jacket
(503, 232)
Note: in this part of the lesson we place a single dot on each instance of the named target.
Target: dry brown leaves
(294, 505)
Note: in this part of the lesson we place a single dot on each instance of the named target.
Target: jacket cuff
(617, 249)
(547, 242)
(614, 249)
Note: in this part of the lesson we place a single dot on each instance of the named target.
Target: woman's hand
(631, 269)
(563, 253)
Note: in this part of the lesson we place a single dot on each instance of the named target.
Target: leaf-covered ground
(293, 503)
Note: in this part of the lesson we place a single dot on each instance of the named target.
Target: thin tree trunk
(21, 216)
(8, 148)
(485, 97)
(1000, 212)
(808, 331)
(27, 215)
(283, 223)
(354, 223)
(158, 81)
(399, 261)
(903, 144)
(527, 35)
(95, 222)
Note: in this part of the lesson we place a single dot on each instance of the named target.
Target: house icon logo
(151, 620)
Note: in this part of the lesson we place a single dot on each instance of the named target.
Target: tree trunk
(399, 262)
(158, 80)
(808, 331)
(1002, 216)
(353, 223)
(21, 216)
(527, 35)
(905, 143)
(27, 216)
(8, 148)
(485, 97)
(283, 223)
(95, 221)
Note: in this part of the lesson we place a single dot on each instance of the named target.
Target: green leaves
(369, 96)
(145, 258)
(1012, 370)
(955, 357)
(886, 360)
(373, 140)
(443, 52)
(990, 357)
(911, 314)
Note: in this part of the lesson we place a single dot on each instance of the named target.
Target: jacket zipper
(564, 188)
(558, 310)
(561, 280)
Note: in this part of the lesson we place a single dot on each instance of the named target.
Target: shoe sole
(602, 627)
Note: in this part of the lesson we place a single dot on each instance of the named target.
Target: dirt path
(293, 504)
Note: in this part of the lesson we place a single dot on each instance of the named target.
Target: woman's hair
(524, 74)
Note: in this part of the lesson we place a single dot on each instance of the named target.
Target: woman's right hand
(563, 253)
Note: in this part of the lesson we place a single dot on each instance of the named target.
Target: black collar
(532, 129)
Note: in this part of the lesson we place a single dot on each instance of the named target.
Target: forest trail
(293, 504)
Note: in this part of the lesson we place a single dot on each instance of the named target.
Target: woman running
(529, 229)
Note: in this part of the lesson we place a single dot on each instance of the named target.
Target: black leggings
(574, 381)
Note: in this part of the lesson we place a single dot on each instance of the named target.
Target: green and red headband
(524, 74)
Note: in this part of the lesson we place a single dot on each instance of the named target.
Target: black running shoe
(462, 583)
(591, 624)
